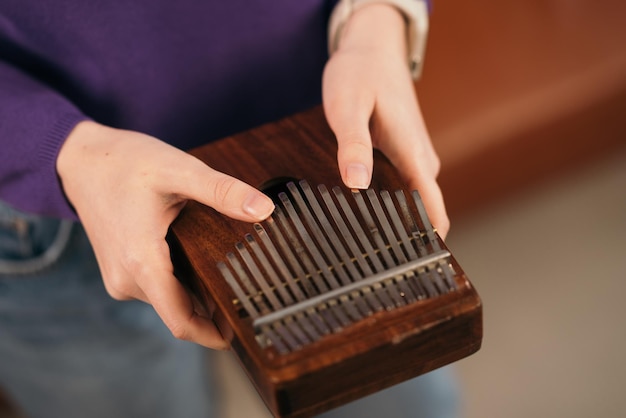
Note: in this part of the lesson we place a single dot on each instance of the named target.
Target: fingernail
(357, 176)
(258, 205)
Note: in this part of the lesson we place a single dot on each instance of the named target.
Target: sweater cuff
(47, 157)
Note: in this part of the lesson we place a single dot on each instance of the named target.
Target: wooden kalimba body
(340, 293)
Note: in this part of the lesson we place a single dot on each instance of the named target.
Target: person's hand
(369, 101)
(127, 188)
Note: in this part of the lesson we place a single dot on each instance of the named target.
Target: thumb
(224, 193)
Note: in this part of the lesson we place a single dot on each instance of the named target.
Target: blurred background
(526, 103)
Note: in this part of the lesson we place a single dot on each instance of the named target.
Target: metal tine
(253, 312)
(275, 340)
(300, 251)
(392, 239)
(284, 334)
(250, 307)
(239, 292)
(360, 233)
(354, 248)
(430, 231)
(424, 283)
(437, 279)
(404, 237)
(335, 242)
(424, 287)
(373, 228)
(260, 255)
(447, 282)
(296, 330)
(251, 289)
(318, 323)
(381, 294)
(336, 310)
(317, 319)
(322, 241)
(324, 311)
(291, 237)
(314, 250)
(410, 221)
(378, 210)
(434, 241)
(275, 304)
(398, 226)
(293, 262)
(307, 326)
(343, 229)
(446, 269)
(269, 293)
(308, 245)
(449, 273)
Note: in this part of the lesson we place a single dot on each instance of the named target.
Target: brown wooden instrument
(339, 294)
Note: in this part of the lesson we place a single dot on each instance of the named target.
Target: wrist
(376, 26)
(415, 28)
(70, 150)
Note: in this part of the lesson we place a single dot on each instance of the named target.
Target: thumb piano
(339, 293)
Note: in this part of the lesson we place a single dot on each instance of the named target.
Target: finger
(405, 141)
(435, 207)
(119, 287)
(191, 179)
(127, 291)
(175, 307)
(419, 173)
(349, 120)
(150, 269)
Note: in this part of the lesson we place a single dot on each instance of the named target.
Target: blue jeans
(69, 350)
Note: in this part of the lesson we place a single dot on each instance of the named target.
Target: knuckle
(354, 144)
(221, 189)
(122, 283)
(180, 331)
(133, 266)
(117, 288)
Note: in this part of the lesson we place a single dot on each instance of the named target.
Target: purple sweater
(187, 72)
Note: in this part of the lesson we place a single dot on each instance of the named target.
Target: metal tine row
(287, 335)
(319, 265)
(430, 231)
(419, 284)
(316, 322)
(396, 292)
(386, 295)
(300, 294)
(424, 278)
(385, 239)
(303, 243)
(423, 282)
(251, 308)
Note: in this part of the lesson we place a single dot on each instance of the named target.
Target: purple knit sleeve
(34, 123)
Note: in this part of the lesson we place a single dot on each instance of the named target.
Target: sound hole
(276, 186)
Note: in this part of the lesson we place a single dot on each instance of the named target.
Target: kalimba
(339, 293)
